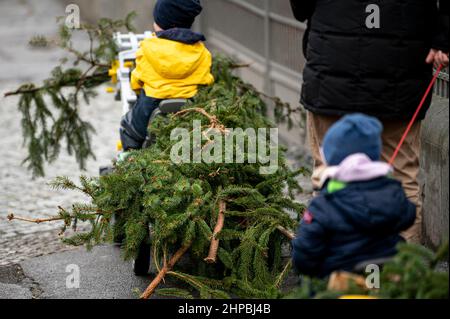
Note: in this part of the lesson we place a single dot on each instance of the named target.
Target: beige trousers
(406, 165)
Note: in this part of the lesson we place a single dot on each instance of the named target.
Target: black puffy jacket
(381, 72)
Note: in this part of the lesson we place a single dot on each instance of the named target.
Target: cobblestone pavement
(15, 249)
(19, 193)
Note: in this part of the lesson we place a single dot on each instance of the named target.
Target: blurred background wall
(92, 10)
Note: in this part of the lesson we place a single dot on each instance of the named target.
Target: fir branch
(212, 256)
(289, 235)
(174, 292)
(64, 83)
(213, 121)
(48, 123)
(12, 217)
(163, 272)
(181, 202)
(283, 274)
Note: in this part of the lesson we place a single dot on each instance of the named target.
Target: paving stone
(10, 291)
(19, 193)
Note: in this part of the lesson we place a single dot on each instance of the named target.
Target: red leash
(413, 120)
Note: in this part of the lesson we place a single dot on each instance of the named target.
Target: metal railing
(442, 85)
(263, 30)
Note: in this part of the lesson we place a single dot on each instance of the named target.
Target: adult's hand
(437, 57)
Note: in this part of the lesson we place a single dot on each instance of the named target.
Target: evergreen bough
(50, 111)
(230, 219)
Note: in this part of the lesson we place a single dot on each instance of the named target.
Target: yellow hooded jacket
(168, 69)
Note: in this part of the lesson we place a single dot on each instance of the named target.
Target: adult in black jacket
(381, 70)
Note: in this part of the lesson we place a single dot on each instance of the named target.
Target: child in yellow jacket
(170, 65)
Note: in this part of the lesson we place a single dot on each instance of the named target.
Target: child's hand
(437, 57)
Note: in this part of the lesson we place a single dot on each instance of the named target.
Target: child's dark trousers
(134, 125)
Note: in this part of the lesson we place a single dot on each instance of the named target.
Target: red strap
(413, 120)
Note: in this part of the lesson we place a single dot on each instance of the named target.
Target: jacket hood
(186, 36)
(378, 206)
(173, 59)
(356, 168)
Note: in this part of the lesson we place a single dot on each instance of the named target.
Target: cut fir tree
(227, 219)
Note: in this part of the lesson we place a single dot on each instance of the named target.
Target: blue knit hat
(170, 14)
(356, 133)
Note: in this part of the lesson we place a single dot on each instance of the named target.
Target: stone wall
(435, 153)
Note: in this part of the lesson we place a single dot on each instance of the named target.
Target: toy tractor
(128, 45)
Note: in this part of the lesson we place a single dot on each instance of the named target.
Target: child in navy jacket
(360, 211)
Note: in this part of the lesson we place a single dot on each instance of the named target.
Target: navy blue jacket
(358, 223)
